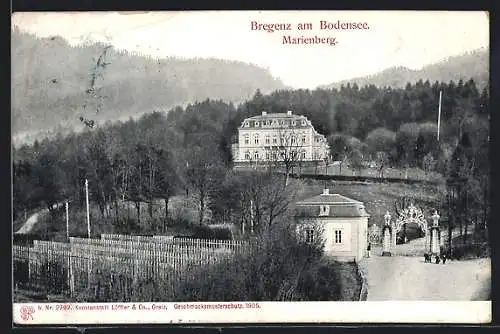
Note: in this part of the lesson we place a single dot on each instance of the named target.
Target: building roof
(336, 211)
(327, 198)
(275, 115)
(288, 116)
(339, 206)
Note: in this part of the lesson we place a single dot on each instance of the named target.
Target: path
(30, 223)
(409, 278)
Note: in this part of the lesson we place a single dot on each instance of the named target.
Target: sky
(393, 38)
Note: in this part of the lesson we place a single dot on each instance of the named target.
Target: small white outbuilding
(344, 222)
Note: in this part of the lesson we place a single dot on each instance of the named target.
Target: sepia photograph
(223, 160)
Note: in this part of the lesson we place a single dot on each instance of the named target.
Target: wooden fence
(114, 268)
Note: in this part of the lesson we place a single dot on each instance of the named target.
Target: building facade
(279, 136)
(343, 224)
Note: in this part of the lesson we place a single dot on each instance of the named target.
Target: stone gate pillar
(387, 235)
(427, 239)
(435, 236)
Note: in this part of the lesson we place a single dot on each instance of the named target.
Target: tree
(406, 141)
(380, 140)
(345, 148)
(429, 162)
(47, 187)
(288, 151)
(168, 180)
(204, 173)
(382, 159)
(356, 159)
(426, 141)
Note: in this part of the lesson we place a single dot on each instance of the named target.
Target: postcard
(250, 166)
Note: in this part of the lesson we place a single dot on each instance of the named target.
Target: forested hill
(474, 64)
(50, 77)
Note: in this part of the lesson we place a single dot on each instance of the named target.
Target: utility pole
(88, 210)
(67, 221)
(439, 113)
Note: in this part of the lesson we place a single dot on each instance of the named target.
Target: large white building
(279, 136)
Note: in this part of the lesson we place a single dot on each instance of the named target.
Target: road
(409, 278)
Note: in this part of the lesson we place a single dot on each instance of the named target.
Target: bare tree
(287, 152)
(204, 172)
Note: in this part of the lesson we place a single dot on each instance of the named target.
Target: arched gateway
(411, 214)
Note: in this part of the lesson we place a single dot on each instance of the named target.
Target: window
(256, 155)
(303, 155)
(247, 139)
(303, 123)
(293, 123)
(275, 156)
(304, 139)
(268, 156)
(246, 125)
(256, 139)
(256, 124)
(283, 123)
(338, 236)
(268, 139)
(247, 155)
(309, 235)
(275, 140)
(293, 140)
(324, 210)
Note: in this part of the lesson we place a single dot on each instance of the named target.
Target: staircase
(416, 247)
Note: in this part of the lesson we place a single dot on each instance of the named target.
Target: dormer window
(293, 123)
(303, 123)
(324, 210)
(256, 124)
(246, 125)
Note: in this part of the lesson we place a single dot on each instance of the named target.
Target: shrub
(470, 251)
(278, 267)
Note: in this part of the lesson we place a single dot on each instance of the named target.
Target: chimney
(326, 191)
(264, 113)
(289, 112)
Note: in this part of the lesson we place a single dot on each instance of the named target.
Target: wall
(356, 230)
(350, 250)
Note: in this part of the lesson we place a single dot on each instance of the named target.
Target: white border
(476, 312)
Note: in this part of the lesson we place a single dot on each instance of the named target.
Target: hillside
(50, 77)
(474, 64)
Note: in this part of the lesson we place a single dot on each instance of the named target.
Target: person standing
(368, 249)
